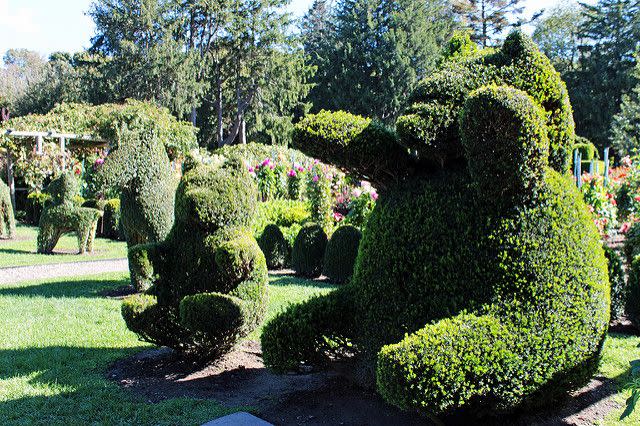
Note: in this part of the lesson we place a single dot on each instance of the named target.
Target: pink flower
(374, 195)
(637, 198)
(292, 173)
(357, 192)
(99, 162)
(266, 162)
(315, 178)
(337, 216)
(251, 169)
(299, 168)
(626, 161)
(625, 227)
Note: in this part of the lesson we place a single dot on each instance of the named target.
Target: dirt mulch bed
(317, 398)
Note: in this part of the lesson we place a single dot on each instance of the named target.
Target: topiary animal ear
(505, 141)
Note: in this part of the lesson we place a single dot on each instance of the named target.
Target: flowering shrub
(601, 202)
(319, 182)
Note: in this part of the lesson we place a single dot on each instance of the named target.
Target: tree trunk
(219, 130)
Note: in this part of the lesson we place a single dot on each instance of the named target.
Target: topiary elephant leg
(48, 237)
(218, 319)
(447, 365)
(299, 334)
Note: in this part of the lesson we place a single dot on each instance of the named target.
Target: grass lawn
(57, 339)
(22, 250)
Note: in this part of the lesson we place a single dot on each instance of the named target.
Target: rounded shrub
(206, 283)
(619, 289)
(112, 226)
(308, 251)
(340, 255)
(274, 247)
(7, 219)
(455, 303)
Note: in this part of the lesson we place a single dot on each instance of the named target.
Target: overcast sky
(47, 26)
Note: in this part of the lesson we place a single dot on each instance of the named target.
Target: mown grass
(57, 340)
(21, 251)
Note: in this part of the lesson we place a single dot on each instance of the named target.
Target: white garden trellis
(62, 138)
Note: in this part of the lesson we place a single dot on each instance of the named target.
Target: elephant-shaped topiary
(480, 281)
(208, 279)
(7, 220)
(62, 215)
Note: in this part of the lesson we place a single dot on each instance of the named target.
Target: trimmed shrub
(340, 255)
(61, 215)
(586, 148)
(206, 283)
(308, 251)
(274, 247)
(367, 148)
(632, 242)
(619, 289)
(7, 220)
(633, 302)
(455, 303)
(139, 168)
(112, 226)
(283, 213)
(503, 131)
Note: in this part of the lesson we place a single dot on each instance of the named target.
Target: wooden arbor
(66, 141)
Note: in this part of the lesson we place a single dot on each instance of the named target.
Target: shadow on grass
(68, 385)
(90, 288)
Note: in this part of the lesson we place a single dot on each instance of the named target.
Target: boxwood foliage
(472, 288)
(633, 301)
(274, 247)
(308, 251)
(619, 288)
(139, 167)
(62, 215)
(206, 283)
(341, 252)
(430, 124)
(7, 219)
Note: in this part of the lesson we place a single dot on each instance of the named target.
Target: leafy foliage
(62, 215)
(206, 282)
(456, 301)
(308, 251)
(340, 254)
(7, 220)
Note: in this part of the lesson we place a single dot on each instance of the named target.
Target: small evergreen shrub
(619, 289)
(632, 242)
(274, 247)
(7, 219)
(633, 301)
(308, 251)
(112, 226)
(340, 255)
(586, 148)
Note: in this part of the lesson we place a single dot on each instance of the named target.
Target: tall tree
(610, 33)
(487, 19)
(148, 57)
(377, 51)
(22, 70)
(557, 35)
(625, 129)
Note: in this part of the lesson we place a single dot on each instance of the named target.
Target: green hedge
(340, 255)
(619, 288)
(274, 246)
(308, 251)
(206, 283)
(7, 220)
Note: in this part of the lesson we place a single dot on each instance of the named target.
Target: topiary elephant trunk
(480, 280)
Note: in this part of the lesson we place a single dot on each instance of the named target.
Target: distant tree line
(246, 70)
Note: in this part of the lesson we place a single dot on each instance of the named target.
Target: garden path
(16, 274)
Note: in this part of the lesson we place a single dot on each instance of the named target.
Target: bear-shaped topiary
(207, 281)
(62, 215)
(7, 219)
(480, 281)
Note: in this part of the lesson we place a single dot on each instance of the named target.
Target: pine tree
(625, 129)
(487, 19)
(370, 54)
(610, 34)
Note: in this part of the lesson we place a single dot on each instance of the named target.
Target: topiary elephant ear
(504, 135)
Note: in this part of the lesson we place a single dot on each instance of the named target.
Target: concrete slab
(238, 419)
